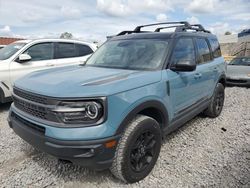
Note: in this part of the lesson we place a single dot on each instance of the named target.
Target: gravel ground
(203, 153)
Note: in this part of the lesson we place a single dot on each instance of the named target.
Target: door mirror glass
(24, 58)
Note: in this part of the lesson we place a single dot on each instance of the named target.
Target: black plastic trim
(186, 116)
(4, 99)
(148, 104)
(91, 154)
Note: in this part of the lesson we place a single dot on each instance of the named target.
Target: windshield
(245, 61)
(10, 50)
(143, 54)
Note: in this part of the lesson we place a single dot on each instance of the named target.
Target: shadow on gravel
(4, 107)
(69, 172)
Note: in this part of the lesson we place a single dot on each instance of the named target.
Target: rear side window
(42, 51)
(215, 47)
(203, 51)
(184, 50)
(65, 50)
(83, 50)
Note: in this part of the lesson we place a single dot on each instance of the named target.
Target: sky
(93, 20)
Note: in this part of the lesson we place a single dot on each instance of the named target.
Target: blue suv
(114, 111)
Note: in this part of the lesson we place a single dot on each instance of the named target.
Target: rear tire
(137, 150)
(215, 107)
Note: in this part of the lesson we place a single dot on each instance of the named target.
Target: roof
(35, 41)
(8, 40)
(160, 35)
(60, 40)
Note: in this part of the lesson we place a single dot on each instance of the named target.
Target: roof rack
(200, 28)
(138, 28)
(160, 28)
(180, 27)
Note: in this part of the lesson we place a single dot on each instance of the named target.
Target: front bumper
(91, 154)
(238, 81)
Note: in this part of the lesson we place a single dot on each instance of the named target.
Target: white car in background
(1, 46)
(25, 56)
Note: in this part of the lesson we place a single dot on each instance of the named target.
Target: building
(7, 40)
(235, 44)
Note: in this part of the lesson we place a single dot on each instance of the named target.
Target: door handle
(82, 62)
(197, 75)
(50, 65)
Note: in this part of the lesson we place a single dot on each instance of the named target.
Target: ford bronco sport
(114, 111)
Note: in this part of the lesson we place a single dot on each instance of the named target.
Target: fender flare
(1, 95)
(148, 104)
(223, 76)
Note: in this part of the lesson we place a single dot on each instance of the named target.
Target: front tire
(215, 107)
(137, 150)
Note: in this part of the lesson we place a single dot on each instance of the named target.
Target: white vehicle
(25, 56)
(1, 46)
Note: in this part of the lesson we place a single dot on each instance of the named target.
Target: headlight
(80, 112)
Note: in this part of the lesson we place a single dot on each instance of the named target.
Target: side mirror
(24, 58)
(184, 66)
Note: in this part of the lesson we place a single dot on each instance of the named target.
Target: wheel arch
(1, 95)
(154, 109)
(222, 80)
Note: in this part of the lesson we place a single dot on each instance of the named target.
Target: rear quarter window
(203, 50)
(83, 50)
(215, 47)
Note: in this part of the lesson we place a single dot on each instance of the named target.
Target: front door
(184, 86)
(41, 58)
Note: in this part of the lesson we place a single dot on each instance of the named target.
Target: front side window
(66, 50)
(183, 51)
(11, 49)
(42, 51)
(142, 54)
(244, 61)
(203, 50)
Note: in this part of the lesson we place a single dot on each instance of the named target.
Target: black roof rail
(129, 32)
(138, 28)
(200, 28)
(180, 27)
(124, 33)
(160, 28)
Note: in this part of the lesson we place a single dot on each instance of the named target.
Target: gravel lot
(203, 153)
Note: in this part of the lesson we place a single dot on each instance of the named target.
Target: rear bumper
(91, 154)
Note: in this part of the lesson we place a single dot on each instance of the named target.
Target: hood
(238, 71)
(85, 81)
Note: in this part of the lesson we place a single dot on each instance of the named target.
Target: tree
(228, 33)
(66, 35)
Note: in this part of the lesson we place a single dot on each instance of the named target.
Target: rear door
(205, 67)
(41, 58)
(184, 86)
(68, 53)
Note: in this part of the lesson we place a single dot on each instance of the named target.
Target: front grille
(30, 97)
(32, 104)
(236, 81)
(33, 126)
(31, 109)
